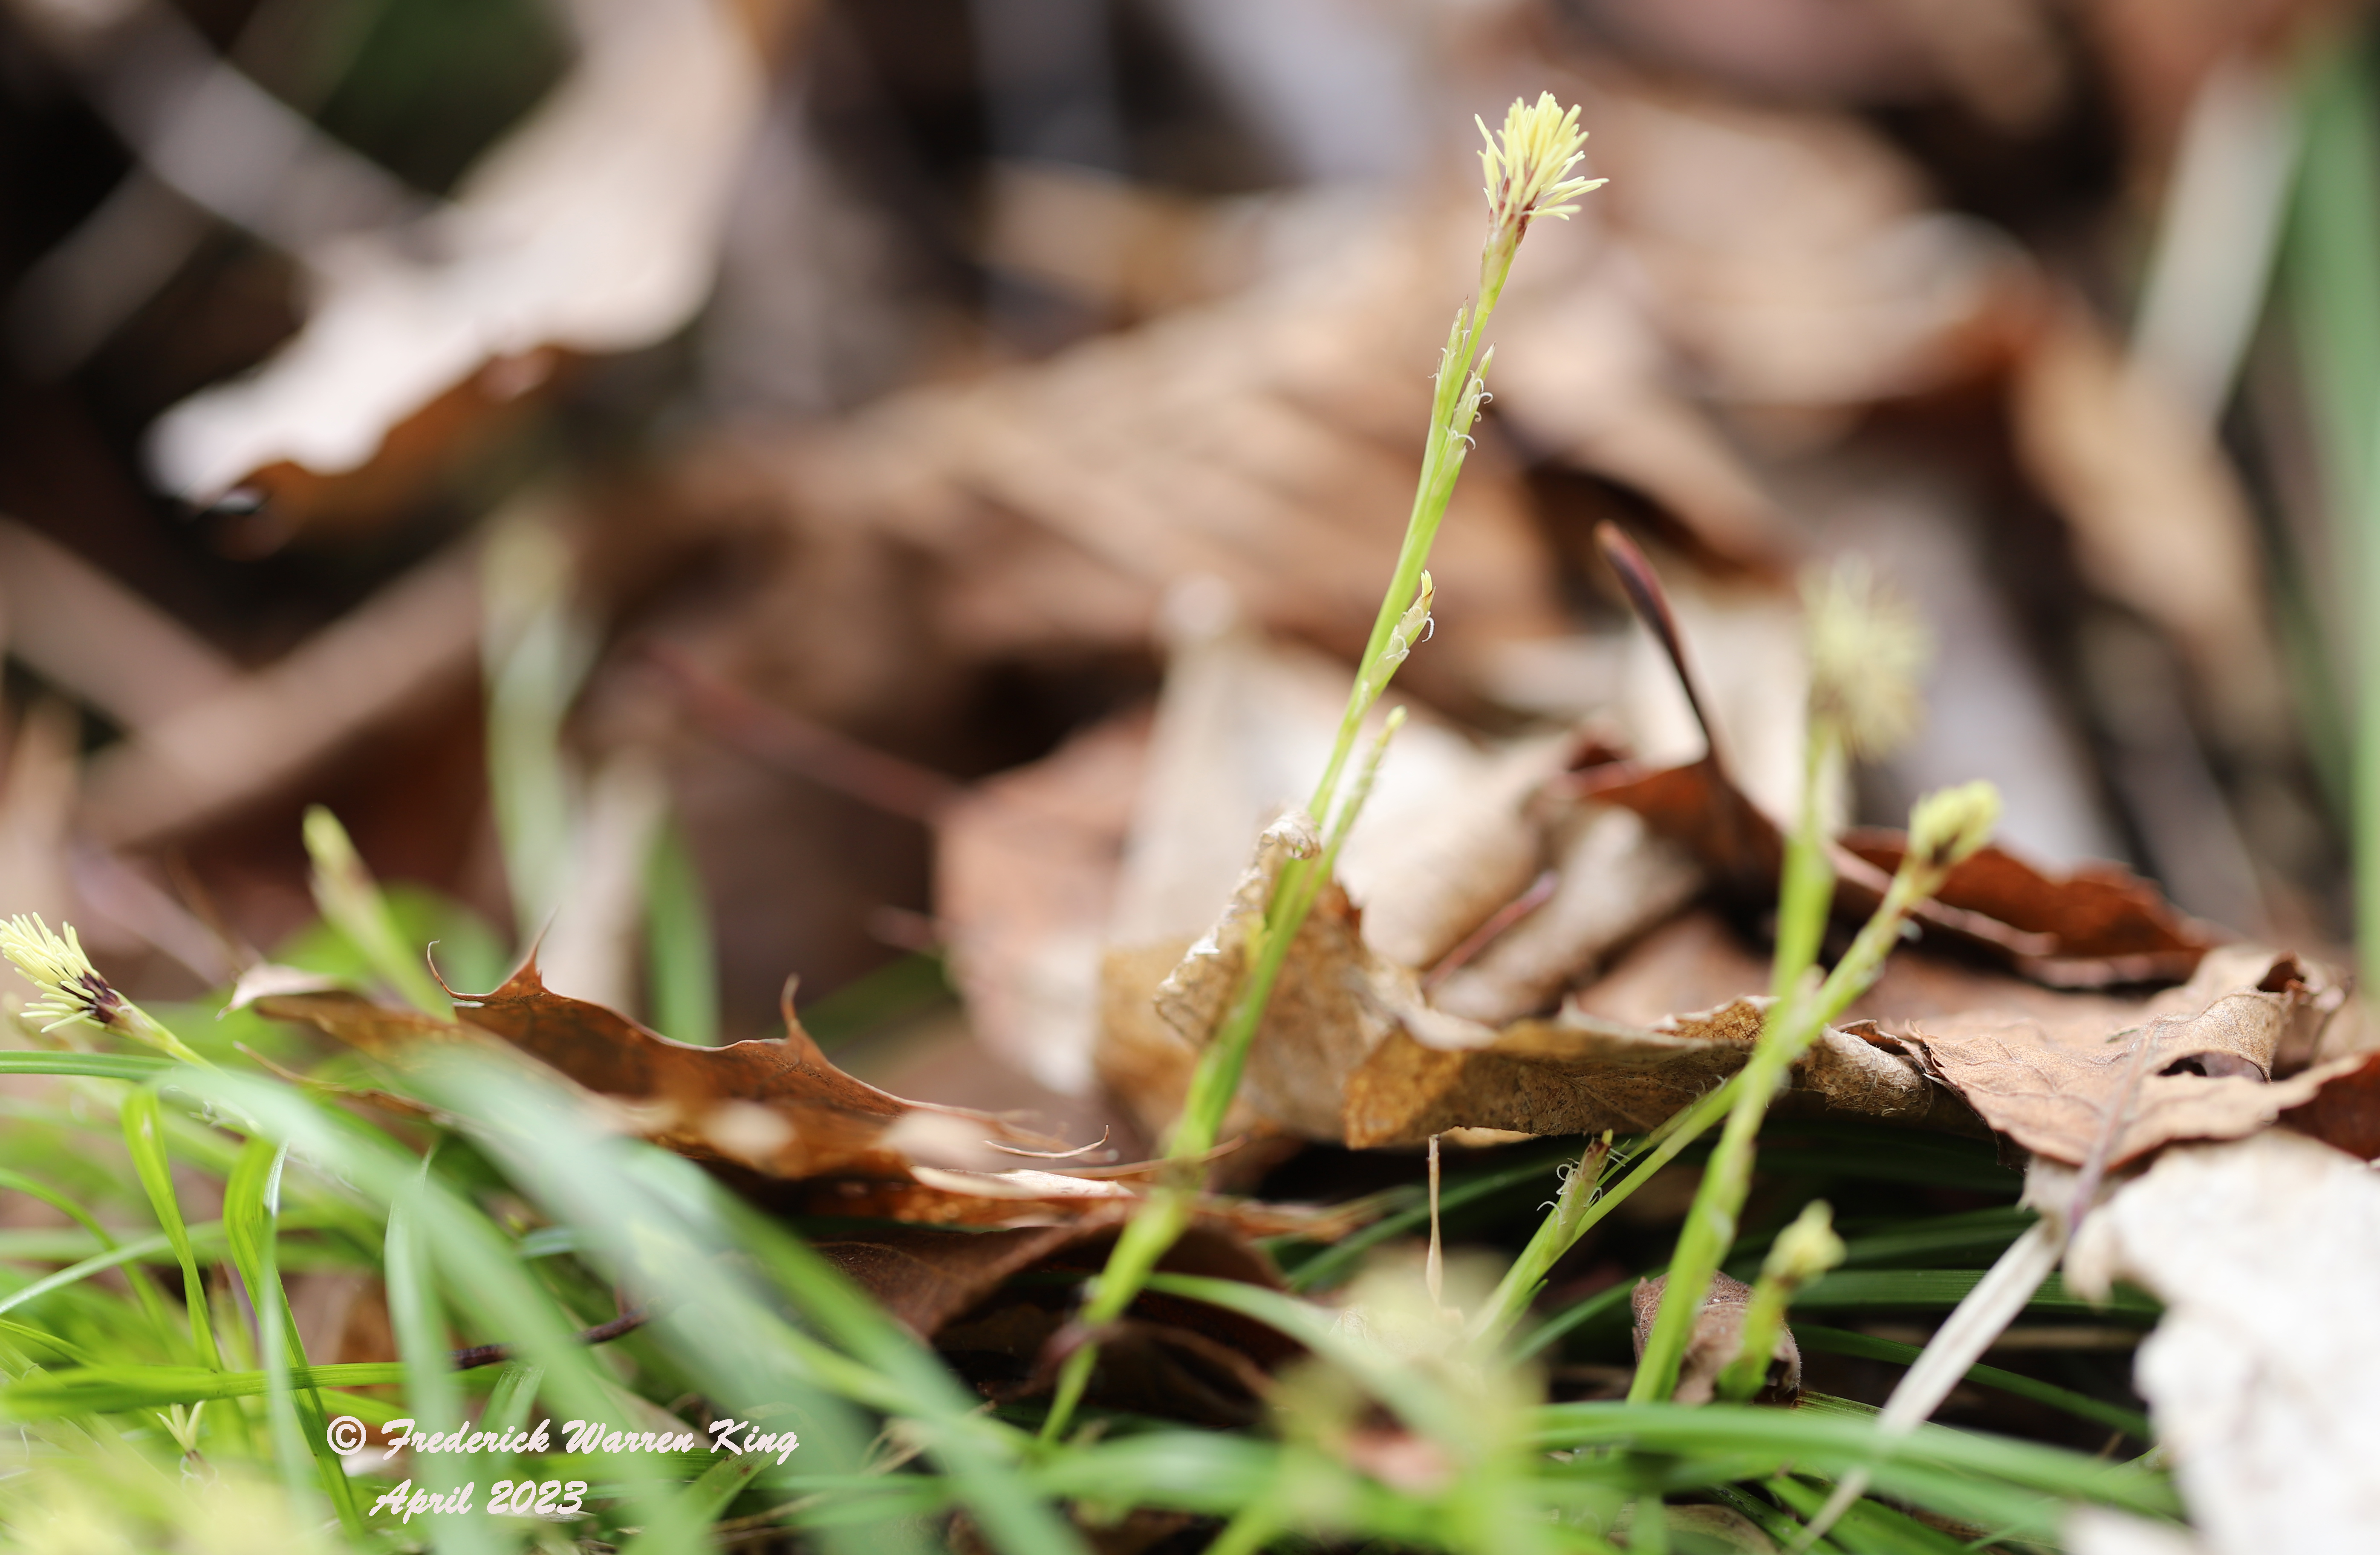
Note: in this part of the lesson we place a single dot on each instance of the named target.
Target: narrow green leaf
(1951, 1471)
(351, 901)
(1860, 1290)
(682, 962)
(702, 1502)
(297, 1420)
(477, 1260)
(657, 1223)
(101, 1066)
(147, 1145)
(113, 1389)
(419, 1323)
(1841, 1341)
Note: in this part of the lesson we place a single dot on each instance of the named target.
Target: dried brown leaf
(2065, 1086)
(2344, 1112)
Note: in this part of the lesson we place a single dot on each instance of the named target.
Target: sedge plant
(1864, 648)
(1528, 171)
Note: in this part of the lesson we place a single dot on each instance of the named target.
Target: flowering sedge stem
(1166, 1213)
(1946, 829)
(1527, 174)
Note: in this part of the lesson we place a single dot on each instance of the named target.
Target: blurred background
(721, 483)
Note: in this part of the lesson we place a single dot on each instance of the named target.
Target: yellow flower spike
(72, 989)
(1527, 170)
(1527, 166)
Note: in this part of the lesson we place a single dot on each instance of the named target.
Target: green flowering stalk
(1528, 170)
(72, 989)
(1865, 649)
(1804, 1250)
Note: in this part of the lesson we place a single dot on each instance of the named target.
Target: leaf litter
(1558, 935)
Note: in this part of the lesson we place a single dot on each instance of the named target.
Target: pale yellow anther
(1527, 166)
(71, 988)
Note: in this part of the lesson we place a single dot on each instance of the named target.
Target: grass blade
(1842, 1341)
(682, 961)
(146, 1142)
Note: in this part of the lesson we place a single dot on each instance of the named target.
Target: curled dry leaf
(2195, 1062)
(2344, 1112)
(2102, 924)
(777, 1118)
(2266, 1252)
(1718, 1334)
(1580, 1073)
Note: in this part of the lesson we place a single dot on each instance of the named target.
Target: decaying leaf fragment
(2261, 1377)
(1317, 1026)
(2195, 1062)
(1718, 1334)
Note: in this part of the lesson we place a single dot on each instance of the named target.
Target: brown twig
(1540, 891)
(488, 1354)
(803, 748)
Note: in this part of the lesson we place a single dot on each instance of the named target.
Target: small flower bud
(1806, 1249)
(1413, 625)
(1947, 826)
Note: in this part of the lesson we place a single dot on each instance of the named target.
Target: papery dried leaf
(1025, 869)
(2106, 925)
(1193, 997)
(1615, 880)
(1578, 1074)
(2266, 1252)
(763, 1114)
(2064, 1087)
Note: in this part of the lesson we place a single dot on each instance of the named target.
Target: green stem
(1165, 1213)
(1460, 390)
(1806, 897)
(1792, 1024)
(1522, 1281)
